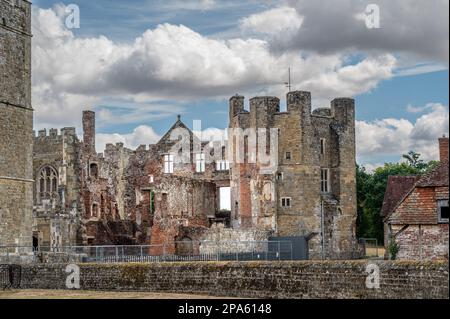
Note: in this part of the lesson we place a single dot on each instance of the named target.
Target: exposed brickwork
(414, 220)
(309, 279)
(443, 149)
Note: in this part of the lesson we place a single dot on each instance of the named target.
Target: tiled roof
(435, 178)
(397, 188)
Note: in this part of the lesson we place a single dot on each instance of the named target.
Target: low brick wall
(299, 279)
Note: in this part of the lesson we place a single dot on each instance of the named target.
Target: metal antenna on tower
(288, 84)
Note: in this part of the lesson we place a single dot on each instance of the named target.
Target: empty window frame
(200, 162)
(286, 202)
(47, 183)
(322, 146)
(325, 180)
(168, 163)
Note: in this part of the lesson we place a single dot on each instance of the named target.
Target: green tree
(370, 189)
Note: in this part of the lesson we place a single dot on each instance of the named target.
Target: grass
(372, 251)
(84, 294)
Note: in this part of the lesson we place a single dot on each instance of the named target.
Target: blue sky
(398, 85)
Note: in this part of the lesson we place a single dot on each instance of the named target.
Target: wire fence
(176, 251)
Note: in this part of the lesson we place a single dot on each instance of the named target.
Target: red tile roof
(397, 188)
(435, 178)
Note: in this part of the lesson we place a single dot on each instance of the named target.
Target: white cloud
(274, 21)
(174, 63)
(394, 137)
(141, 135)
(370, 168)
(413, 27)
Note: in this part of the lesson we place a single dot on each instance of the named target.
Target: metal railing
(176, 251)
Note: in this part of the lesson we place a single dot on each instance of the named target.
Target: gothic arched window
(47, 180)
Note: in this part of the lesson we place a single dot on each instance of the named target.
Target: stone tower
(311, 191)
(16, 124)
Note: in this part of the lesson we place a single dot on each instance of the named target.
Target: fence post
(279, 250)
(141, 254)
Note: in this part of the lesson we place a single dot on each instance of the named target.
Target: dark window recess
(288, 155)
(444, 211)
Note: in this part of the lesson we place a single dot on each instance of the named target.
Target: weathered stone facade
(312, 191)
(16, 124)
(170, 191)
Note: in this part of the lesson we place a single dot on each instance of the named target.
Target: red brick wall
(443, 149)
(423, 242)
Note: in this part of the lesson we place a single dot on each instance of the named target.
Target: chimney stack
(443, 148)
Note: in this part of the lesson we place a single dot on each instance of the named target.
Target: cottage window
(443, 211)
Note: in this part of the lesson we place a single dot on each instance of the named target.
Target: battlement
(54, 134)
(342, 109)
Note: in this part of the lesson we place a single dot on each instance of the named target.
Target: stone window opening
(280, 176)
(93, 170)
(288, 156)
(322, 146)
(286, 202)
(47, 187)
(443, 211)
(200, 162)
(223, 164)
(95, 212)
(168, 163)
(324, 180)
(245, 149)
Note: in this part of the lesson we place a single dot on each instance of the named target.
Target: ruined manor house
(279, 173)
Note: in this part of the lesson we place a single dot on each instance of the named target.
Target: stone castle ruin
(287, 173)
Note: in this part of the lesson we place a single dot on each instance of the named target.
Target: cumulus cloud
(394, 137)
(141, 135)
(413, 27)
(274, 21)
(174, 63)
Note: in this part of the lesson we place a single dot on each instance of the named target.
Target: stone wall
(16, 124)
(302, 279)
(307, 144)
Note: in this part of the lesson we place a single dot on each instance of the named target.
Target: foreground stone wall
(300, 279)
